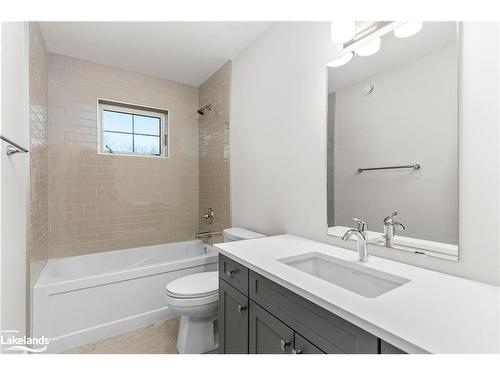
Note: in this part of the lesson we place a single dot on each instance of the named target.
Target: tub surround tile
(38, 155)
(102, 202)
(214, 149)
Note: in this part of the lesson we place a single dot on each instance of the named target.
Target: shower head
(204, 109)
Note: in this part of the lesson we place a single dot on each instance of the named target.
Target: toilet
(195, 298)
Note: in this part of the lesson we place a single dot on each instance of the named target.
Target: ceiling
(187, 52)
(394, 52)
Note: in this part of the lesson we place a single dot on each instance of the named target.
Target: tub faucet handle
(208, 215)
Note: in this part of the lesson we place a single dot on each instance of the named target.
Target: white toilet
(195, 297)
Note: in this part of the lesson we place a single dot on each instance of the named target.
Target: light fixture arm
(375, 30)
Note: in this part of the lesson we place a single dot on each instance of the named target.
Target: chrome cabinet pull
(230, 273)
(284, 344)
(241, 308)
(296, 351)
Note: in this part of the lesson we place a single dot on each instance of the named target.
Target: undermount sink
(351, 276)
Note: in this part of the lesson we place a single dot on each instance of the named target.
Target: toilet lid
(194, 285)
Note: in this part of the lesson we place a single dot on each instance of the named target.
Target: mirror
(393, 141)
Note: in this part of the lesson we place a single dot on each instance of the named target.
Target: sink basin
(348, 275)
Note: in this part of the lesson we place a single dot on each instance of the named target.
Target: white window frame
(133, 109)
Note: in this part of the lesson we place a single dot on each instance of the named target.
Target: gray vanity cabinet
(233, 320)
(268, 335)
(327, 331)
(256, 315)
(386, 348)
(304, 346)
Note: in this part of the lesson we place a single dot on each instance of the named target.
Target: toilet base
(197, 335)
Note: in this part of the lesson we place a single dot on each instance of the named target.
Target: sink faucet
(390, 227)
(361, 236)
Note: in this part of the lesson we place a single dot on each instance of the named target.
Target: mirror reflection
(393, 137)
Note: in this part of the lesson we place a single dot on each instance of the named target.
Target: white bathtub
(82, 299)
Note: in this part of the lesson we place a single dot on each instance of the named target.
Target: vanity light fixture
(408, 29)
(342, 31)
(364, 42)
(341, 60)
(369, 48)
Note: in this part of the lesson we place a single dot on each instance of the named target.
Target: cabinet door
(386, 348)
(233, 320)
(267, 334)
(304, 346)
(327, 331)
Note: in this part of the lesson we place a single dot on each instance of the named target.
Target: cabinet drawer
(233, 273)
(303, 346)
(267, 334)
(327, 331)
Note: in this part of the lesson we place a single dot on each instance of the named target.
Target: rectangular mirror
(393, 138)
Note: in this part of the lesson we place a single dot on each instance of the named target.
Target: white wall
(278, 143)
(14, 177)
(410, 117)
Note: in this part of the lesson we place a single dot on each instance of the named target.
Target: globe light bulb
(408, 29)
(342, 31)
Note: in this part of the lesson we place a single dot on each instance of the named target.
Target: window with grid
(132, 130)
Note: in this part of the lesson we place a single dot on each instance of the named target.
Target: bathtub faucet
(206, 234)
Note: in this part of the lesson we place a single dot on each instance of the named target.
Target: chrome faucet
(208, 216)
(361, 237)
(390, 227)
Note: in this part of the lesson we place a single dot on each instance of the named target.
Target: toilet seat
(202, 285)
(176, 302)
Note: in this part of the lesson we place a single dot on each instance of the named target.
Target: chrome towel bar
(414, 166)
(13, 147)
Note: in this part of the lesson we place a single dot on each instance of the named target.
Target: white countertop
(433, 313)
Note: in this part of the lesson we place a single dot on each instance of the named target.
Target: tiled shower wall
(106, 202)
(38, 155)
(214, 149)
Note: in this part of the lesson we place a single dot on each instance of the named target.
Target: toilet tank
(237, 234)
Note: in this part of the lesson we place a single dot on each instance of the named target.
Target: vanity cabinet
(234, 274)
(233, 320)
(258, 316)
(304, 346)
(268, 335)
(386, 348)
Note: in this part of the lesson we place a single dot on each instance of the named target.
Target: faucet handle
(390, 219)
(399, 226)
(362, 226)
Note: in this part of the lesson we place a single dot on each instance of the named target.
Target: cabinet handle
(241, 308)
(230, 273)
(284, 344)
(296, 351)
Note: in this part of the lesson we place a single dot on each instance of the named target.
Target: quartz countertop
(433, 313)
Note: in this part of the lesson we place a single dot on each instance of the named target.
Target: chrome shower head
(204, 109)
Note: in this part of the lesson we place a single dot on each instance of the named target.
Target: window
(132, 130)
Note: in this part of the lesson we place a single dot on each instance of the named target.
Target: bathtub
(82, 299)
